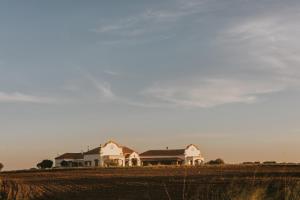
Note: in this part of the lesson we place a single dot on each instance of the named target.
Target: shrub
(218, 161)
(247, 163)
(45, 164)
(1, 166)
(269, 162)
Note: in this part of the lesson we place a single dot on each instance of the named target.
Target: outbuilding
(70, 160)
(191, 155)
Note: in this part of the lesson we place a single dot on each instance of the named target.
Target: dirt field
(206, 182)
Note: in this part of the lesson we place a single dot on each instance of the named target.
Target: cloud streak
(210, 93)
(272, 49)
(150, 22)
(103, 88)
(271, 43)
(258, 52)
(18, 97)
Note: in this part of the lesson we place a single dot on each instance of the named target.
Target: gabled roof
(70, 156)
(93, 151)
(192, 145)
(110, 141)
(127, 150)
(166, 152)
(162, 159)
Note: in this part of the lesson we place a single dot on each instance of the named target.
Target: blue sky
(221, 74)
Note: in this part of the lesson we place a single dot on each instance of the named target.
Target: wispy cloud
(150, 22)
(136, 41)
(111, 73)
(18, 97)
(118, 25)
(270, 44)
(267, 45)
(103, 88)
(210, 93)
(262, 48)
(107, 94)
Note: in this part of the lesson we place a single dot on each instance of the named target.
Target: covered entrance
(113, 161)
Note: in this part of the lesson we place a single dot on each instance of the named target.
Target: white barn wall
(92, 158)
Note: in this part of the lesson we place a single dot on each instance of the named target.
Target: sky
(223, 75)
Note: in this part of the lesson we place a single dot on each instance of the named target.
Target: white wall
(111, 149)
(92, 159)
(192, 154)
(132, 156)
(58, 161)
(192, 150)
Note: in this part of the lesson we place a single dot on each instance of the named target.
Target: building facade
(110, 154)
(70, 160)
(191, 155)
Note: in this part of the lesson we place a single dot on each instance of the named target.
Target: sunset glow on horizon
(223, 75)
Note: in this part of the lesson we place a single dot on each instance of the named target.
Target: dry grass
(206, 182)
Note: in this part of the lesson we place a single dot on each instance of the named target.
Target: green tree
(45, 164)
(218, 161)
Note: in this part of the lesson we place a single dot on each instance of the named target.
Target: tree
(45, 164)
(1, 166)
(218, 161)
(269, 162)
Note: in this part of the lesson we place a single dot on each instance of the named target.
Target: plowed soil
(242, 182)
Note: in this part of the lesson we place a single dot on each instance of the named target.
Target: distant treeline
(269, 163)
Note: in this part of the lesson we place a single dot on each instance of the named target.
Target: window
(96, 162)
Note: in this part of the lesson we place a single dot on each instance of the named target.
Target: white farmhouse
(191, 155)
(110, 154)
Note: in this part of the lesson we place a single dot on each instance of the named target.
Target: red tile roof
(127, 150)
(192, 145)
(162, 159)
(70, 156)
(166, 152)
(110, 141)
(93, 151)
